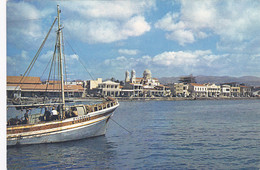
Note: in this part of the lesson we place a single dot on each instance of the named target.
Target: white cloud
(109, 9)
(118, 62)
(176, 63)
(88, 21)
(107, 21)
(182, 36)
(146, 60)
(47, 56)
(23, 24)
(128, 63)
(235, 22)
(135, 26)
(73, 57)
(107, 31)
(11, 61)
(24, 55)
(178, 59)
(127, 51)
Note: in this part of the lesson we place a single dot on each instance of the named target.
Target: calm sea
(222, 134)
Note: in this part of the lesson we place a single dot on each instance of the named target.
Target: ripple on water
(165, 135)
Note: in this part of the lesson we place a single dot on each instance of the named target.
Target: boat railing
(74, 111)
(100, 106)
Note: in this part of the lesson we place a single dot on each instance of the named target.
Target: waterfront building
(132, 90)
(162, 91)
(109, 88)
(213, 90)
(92, 84)
(145, 86)
(198, 90)
(234, 89)
(74, 82)
(245, 91)
(225, 90)
(34, 87)
(91, 87)
(180, 90)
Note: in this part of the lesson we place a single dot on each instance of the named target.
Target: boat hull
(76, 128)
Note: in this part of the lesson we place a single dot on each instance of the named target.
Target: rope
(43, 74)
(34, 58)
(53, 57)
(80, 61)
(121, 126)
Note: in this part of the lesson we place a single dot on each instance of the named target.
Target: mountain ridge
(247, 80)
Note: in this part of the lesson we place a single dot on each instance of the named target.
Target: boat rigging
(61, 123)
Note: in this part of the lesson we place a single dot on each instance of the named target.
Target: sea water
(206, 134)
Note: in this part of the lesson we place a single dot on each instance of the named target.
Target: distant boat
(71, 122)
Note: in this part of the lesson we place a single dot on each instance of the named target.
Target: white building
(180, 90)
(225, 90)
(198, 90)
(213, 90)
(132, 90)
(142, 87)
(92, 84)
(109, 88)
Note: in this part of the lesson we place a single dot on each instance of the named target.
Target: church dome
(146, 71)
(147, 74)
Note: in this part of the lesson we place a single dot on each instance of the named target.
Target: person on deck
(74, 112)
(47, 114)
(26, 117)
(54, 114)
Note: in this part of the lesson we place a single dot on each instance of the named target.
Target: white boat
(73, 123)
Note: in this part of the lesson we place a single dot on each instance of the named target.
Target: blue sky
(171, 38)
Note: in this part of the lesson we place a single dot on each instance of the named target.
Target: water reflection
(93, 152)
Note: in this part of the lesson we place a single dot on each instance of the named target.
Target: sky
(106, 38)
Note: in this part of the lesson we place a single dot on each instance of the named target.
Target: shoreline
(185, 98)
(82, 99)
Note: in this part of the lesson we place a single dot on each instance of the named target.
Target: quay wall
(82, 99)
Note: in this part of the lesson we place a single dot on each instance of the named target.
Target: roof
(136, 84)
(196, 84)
(42, 87)
(109, 82)
(27, 80)
(54, 81)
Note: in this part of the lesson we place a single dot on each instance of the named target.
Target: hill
(248, 80)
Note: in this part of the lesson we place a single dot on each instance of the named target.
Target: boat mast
(60, 62)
